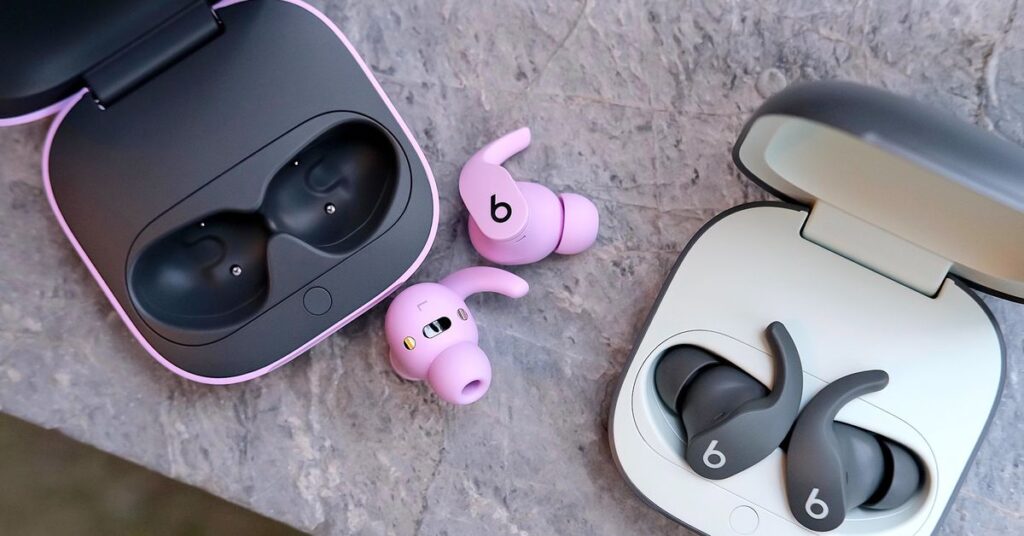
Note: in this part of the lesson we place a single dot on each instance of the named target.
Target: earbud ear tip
(580, 224)
(676, 370)
(902, 478)
(461, 374)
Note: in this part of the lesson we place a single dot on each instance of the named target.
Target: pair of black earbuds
(732, 422)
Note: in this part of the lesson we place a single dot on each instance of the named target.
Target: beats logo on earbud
(731, 420)
(832, 467)
(514, 222)
(433, 336)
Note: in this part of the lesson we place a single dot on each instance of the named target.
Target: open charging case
(232, 174)
(892, 211)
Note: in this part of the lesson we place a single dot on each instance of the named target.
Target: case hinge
(876, 249)
(155, 51)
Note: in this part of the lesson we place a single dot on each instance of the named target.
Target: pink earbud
(521, 222)
(433, 336)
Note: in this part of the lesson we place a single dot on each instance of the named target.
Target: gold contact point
(409, 343)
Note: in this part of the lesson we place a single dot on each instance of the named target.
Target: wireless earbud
(731, 420)
(433, 336)
(833, 467)
(514, 222)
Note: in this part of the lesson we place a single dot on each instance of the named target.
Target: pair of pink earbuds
(431, 332)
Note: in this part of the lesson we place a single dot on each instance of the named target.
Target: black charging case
(232, 175)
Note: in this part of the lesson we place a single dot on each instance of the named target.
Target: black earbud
(833, 467)
(731, 420)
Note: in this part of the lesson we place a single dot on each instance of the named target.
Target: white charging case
(892, 211)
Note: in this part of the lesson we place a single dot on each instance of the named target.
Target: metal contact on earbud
(329, 208)
(437, 327)
(236, 270)
(463, 314)
(409, 343)
(295, 163)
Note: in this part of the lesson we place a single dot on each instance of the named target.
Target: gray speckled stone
(634, 104)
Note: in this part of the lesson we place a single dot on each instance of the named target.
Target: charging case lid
(50, 48)
(913, 171)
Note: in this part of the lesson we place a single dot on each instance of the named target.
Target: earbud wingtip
(522, 132)
(501, 149)
(520, 289)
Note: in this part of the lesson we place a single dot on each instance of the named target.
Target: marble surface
(635, 104)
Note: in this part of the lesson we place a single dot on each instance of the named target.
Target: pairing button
(317, 301)
(744, 520)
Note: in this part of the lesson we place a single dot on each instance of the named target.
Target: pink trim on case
(38, 114)
(65, 106)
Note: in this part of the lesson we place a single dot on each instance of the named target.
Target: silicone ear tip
(676, 370)
(903, 478)
(461, 374)
(579, 224)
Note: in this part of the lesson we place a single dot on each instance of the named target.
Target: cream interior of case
(752, 267)
(948, 219)
(860, 280)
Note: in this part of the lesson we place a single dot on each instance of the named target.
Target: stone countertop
(635, 106)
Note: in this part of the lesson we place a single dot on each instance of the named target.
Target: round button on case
(209, 163)
(743, 520)
(317, 301)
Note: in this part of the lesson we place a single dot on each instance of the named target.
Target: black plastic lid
(46, 46)
(912, 170)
